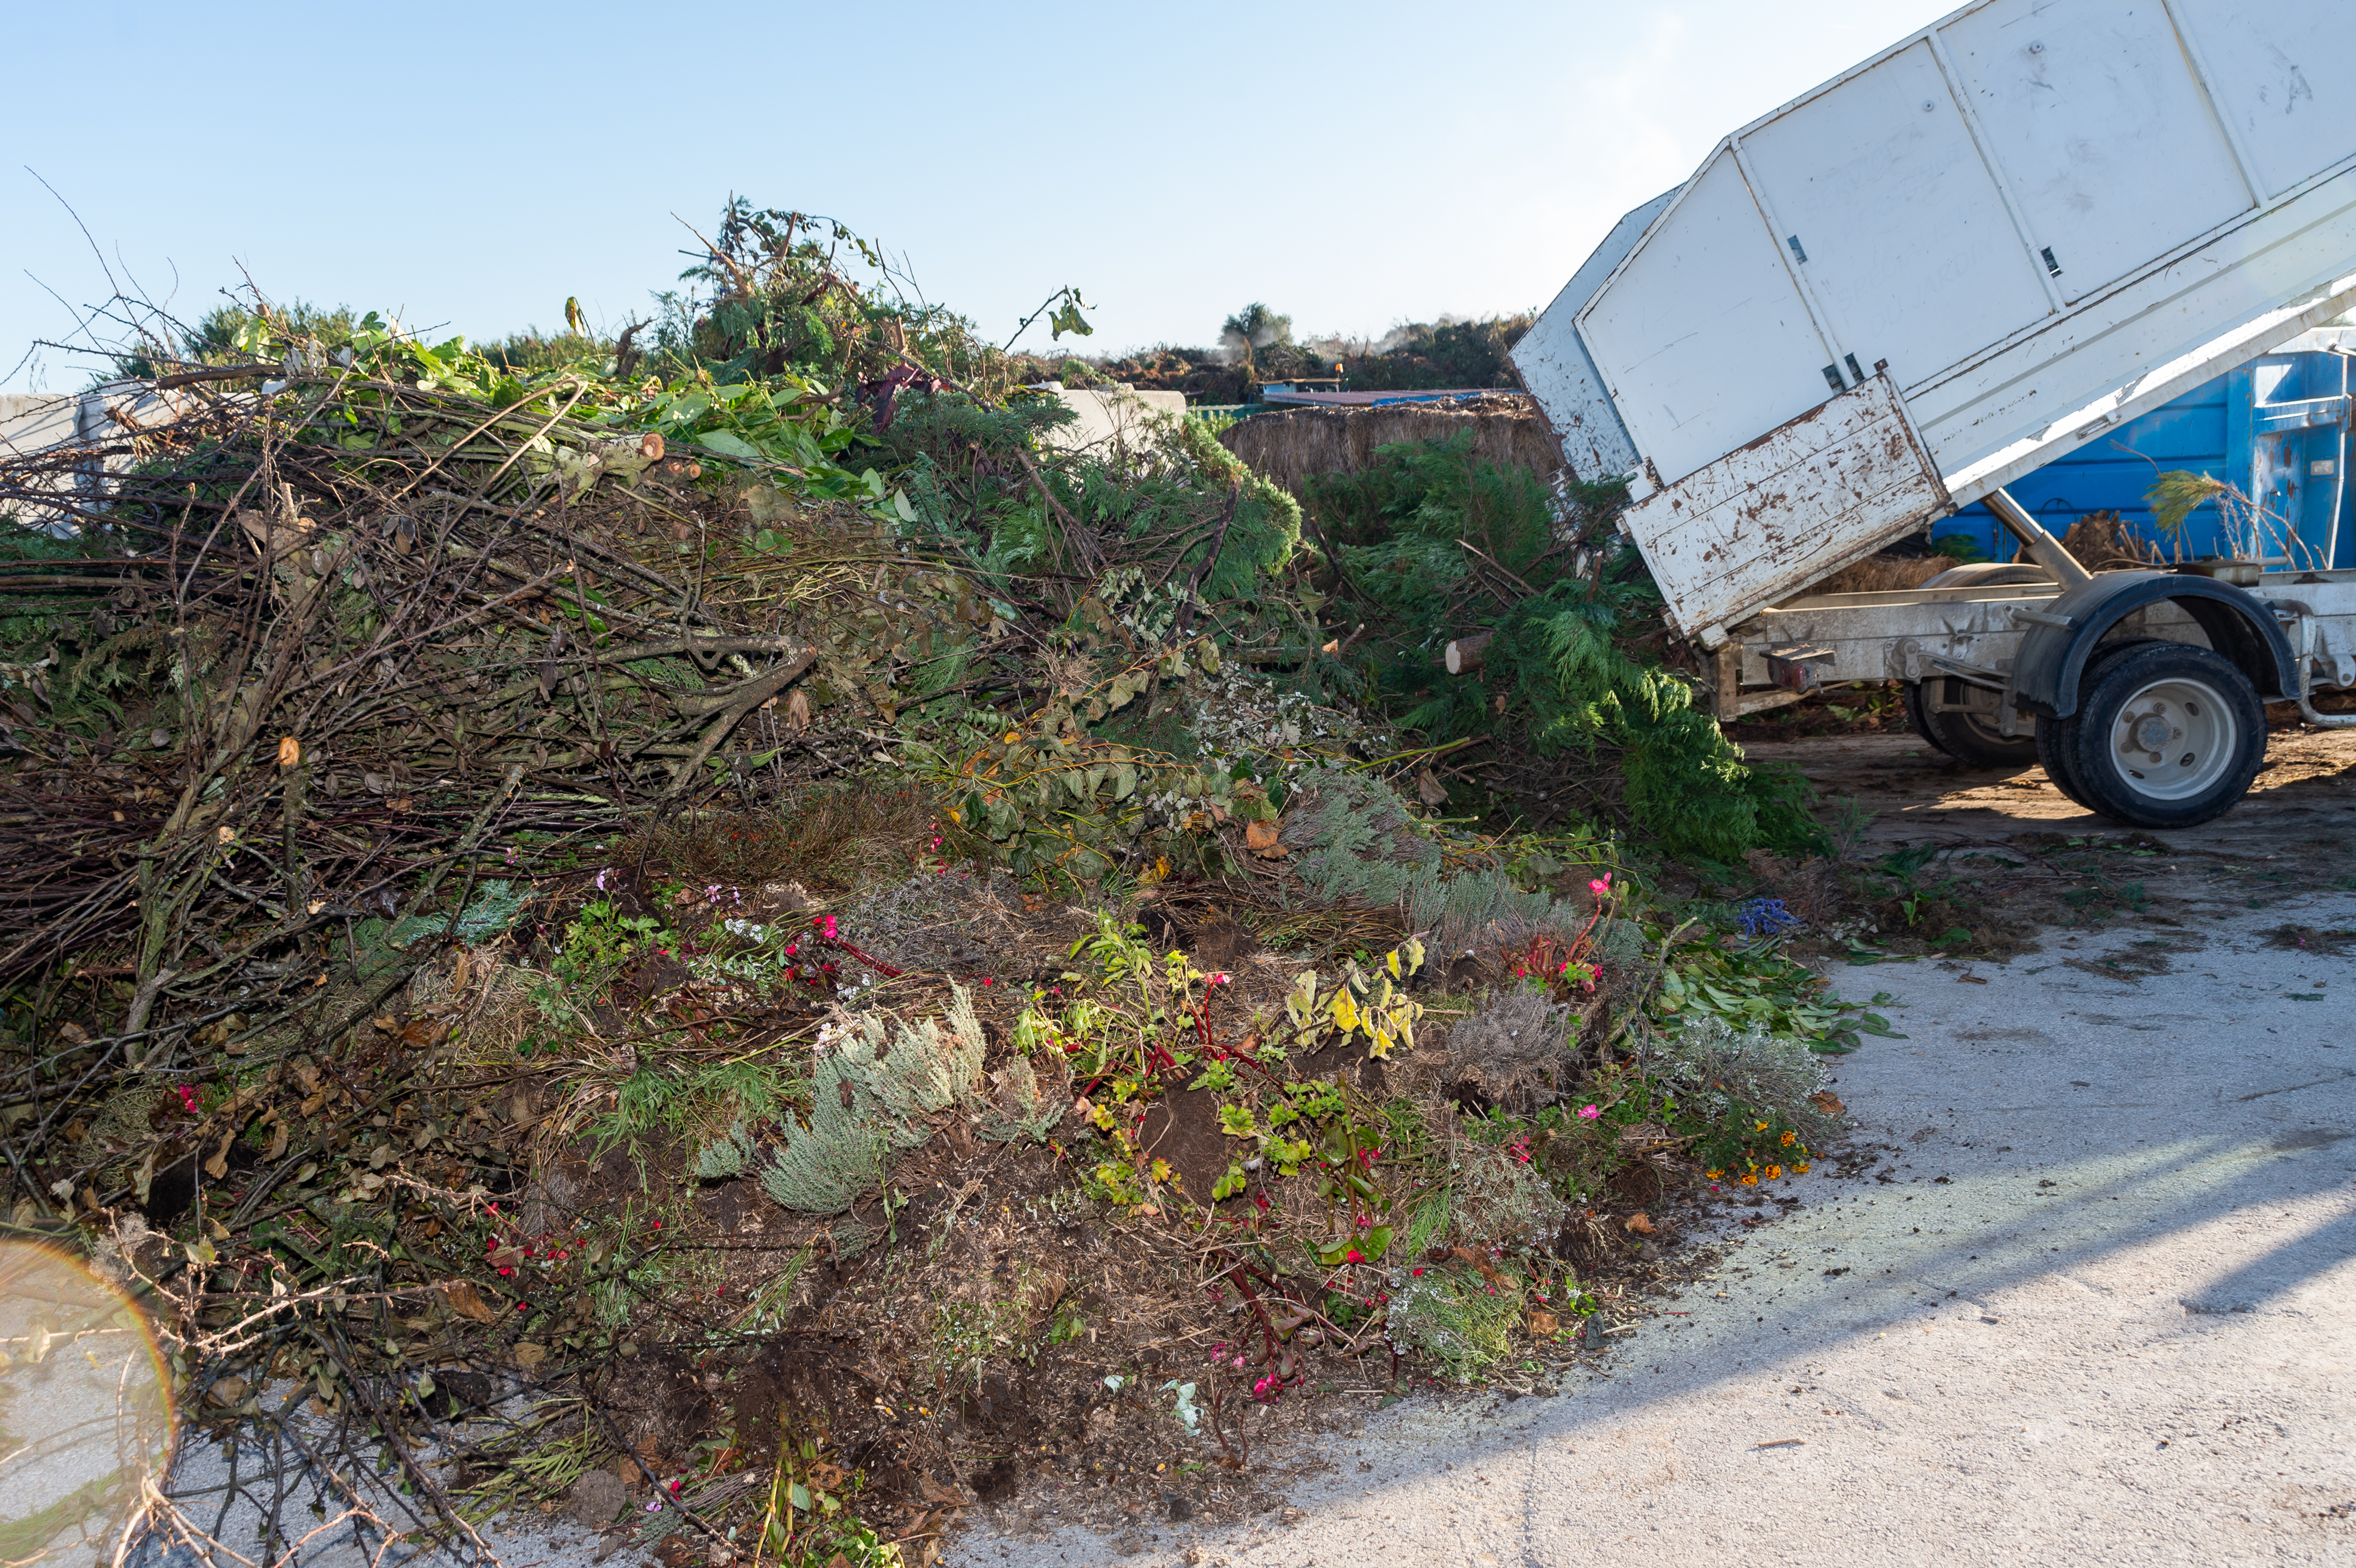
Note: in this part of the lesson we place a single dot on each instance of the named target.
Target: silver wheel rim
(2173, 739)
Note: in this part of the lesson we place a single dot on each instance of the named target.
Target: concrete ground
(2093, 1303)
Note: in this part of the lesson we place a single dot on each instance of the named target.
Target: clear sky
(1353, 165)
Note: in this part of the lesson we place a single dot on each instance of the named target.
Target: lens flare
(86, 1426)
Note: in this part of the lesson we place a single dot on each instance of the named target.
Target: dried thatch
(1880, 573)
(2104, 541)
(1287, 447)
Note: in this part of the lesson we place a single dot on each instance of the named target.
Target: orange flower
(1788, 1139)
(1749, 1178)
(1713, 1175)
(1774, 1173)
(1801, 1169)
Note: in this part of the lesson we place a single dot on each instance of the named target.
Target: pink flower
(1601, 885)
(1353, 1256)
(1219, 979)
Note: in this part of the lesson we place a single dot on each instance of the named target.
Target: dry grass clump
(1810, 888)
(831, 840)
(1290, 446)
(1882, 573)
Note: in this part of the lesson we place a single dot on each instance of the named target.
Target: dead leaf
(1429, 790)
(798, 713)
(1545, 1325)
(1827, 1102)
(934, 1492)
(217, 1166)
(464, 1299)
(290, 752)
(529, 1356)
(1261, 838)
(1640, 1223)
(277, 1149)
(1488, 1270)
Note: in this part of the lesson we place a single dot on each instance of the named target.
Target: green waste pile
(431, 775)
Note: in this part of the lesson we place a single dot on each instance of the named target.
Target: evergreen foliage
(1356, 846)
(877, 1089)
(1444, 545)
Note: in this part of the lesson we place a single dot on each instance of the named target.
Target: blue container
(2277, 429)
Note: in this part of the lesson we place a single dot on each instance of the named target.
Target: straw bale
(1287, 447)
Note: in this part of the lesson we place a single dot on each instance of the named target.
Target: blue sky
(1354, 165)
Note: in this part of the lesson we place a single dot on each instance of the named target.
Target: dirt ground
(2015, 835)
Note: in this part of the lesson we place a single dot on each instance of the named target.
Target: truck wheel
(1920, 717)
(2056, 738)
(1969, 738)
(2165, 735)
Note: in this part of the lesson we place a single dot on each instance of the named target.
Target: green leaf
(728, 443)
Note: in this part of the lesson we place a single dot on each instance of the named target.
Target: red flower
(1353, 1256)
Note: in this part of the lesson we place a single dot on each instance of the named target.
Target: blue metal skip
(2277, 429)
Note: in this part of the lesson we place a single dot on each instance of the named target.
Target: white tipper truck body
(1986, 246)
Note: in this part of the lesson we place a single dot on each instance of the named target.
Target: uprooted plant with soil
(740, 944)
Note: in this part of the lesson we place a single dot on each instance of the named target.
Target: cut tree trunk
(1464, 654)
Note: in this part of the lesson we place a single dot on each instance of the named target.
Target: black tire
(2165, 735)
(2056, 741)
(1969, 738)
(1989, 574)
(1920, 717)
(2056, 738)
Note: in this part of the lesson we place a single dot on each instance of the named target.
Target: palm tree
(1254, 328)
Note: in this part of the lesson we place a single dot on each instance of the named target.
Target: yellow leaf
(1382, 1046)
(1390, 961)
(1345, 1012)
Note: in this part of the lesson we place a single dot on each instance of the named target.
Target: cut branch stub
(1463, 655)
